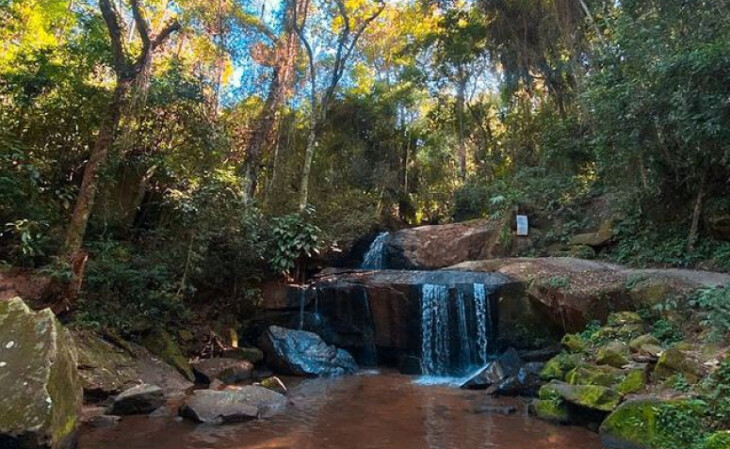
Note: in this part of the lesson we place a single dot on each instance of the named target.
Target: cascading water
(374, 259)
(455, 326)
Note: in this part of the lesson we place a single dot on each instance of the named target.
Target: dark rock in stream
(527, 382)
(139, 400)
(302, 353)
(226, 370)
(508, 364)
(231, 406)
(495, 409)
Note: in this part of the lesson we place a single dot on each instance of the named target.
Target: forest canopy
(168, 150)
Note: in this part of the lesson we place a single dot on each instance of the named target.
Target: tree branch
(113, 24)
(170, 28)
(141, 24)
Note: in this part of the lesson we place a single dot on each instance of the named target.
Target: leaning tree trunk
(90, 182)
(307, 169)
(696, 214)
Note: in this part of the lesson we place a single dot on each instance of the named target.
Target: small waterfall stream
(455, 326)
(374, 258)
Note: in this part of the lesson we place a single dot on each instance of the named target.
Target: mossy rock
(559, 366)
(582, 252)
(551, 410)
(646, 340)
(251, 354)
(718, 440)
(624, 318)
(592, 397)
(161, 344)
(650, 293)
(105, 368)
(633, 382)
(675, 361)
(40, 391)
(574, 343)
(587, 374)
(615, 353)
(639, 425)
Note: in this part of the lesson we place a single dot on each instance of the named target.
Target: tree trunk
(696, 214)
(90, 182)
(282, 81)
(307, 169)
(460, 102)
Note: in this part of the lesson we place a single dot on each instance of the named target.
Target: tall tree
(282, 59)
(348, 31)
(128, 70)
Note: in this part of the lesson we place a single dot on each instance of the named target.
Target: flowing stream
(374, 259)
(383, 411)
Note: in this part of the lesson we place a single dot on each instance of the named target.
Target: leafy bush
(294, 237)
(714, 305)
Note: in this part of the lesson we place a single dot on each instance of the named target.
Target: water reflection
(384, 411)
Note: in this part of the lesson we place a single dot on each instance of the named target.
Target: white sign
(523, 226)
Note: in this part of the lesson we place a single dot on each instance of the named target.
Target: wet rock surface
(230, 406)
(302, 353)
(139, 400)
(226, 370)
(40, 391)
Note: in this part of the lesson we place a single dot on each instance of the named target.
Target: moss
(592, 397)
(551, 410)
(162, 345)
(574, 343)
(586, 374)
(718, 440)
(624, 318)
(638, 343)
(674, 361)
(634, 382)
(615, 354)
(654, 424)
(559, 366)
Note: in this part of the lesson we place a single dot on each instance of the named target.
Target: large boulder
(108, 366)
(139, 400)
(573, 292)
(226, 370)
(230, 406)
(303, 353)
(432, 247)
(40, 391)
(527, 382)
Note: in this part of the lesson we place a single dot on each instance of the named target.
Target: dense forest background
(164, 156)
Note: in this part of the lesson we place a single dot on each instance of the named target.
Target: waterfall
(374, 259)
(455, 324)
(483, 317)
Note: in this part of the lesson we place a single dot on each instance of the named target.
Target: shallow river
(385, 411)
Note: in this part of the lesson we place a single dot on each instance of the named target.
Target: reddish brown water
(386, 411)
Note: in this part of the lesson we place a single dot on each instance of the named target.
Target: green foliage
(558, 282)
(714, 305)
(666, 331)
(682, 425)
(294, 238)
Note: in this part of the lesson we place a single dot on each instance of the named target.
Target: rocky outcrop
(40, 391)
(302, 353)
(433, 247)
(230, 406)
(139, 400)
(574, 292)
(161, 344)
(635, 424)
(109, 366)
(226, 370)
